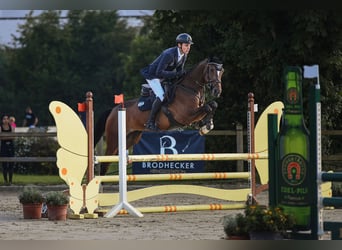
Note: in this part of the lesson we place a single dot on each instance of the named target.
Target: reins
(202, 86)
(195, 83)
(193, 91)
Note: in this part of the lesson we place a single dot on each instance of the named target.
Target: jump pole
(319, 202)
(185, 157)
(123, 204)
(201, 207)
(176, 177)
(251, 145)
(317, 228)
(90, 132)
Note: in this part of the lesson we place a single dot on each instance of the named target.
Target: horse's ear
(215, 59)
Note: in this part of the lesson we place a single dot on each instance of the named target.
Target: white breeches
(156, 87)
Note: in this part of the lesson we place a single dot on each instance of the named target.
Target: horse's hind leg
(112, 149)
(105, 165)
(111, 138)
(133, 138)
(104, 168)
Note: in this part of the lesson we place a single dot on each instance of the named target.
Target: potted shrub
(32, 200)
(235, 227)
(57, 205)
(267, 223)
(258, 223)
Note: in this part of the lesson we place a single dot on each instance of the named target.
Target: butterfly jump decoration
(72, 158)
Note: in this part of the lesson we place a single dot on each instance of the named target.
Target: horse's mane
(210, 59)
(196, 65)
(214, 59)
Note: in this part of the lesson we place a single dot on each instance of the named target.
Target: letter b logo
(167, 145)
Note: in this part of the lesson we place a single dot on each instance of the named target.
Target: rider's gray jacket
(165, 66)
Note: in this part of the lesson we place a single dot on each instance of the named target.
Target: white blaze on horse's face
(215, 84)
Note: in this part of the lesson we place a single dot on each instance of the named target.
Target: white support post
(313, 72)
(123, 203)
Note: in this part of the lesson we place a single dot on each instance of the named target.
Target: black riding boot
(150, 124)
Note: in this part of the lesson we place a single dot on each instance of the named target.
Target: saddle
(147, 95)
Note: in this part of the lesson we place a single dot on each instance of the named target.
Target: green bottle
(293, 155)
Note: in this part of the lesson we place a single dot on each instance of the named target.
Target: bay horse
(186, 107)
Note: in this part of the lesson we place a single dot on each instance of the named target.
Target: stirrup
(150, 126)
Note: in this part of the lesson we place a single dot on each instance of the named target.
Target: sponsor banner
(169, 142)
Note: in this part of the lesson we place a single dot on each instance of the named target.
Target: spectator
(30, 119)
(7, 150)
(12, 122)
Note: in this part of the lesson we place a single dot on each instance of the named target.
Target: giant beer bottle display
(293, 155)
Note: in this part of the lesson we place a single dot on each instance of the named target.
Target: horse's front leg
(207, 123)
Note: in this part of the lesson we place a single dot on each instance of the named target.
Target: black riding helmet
(184, 38)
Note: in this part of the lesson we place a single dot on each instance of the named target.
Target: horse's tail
(100, 126)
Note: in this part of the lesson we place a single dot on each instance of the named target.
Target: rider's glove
(180, 73)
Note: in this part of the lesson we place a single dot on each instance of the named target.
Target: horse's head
(207, 73)
(212, 75)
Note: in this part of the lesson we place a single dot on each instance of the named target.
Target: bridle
(199, 91)
(219, 69)
(203, 85)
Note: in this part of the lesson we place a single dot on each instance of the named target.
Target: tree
(57, 60)
(7, 93)
(143, 51)
(101, 42)
(96, 51)
(255, 46)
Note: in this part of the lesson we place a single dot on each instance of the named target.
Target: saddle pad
(145, 102)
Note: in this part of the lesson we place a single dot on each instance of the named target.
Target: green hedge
(36, 146)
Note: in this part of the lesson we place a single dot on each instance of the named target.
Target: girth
(173, 122)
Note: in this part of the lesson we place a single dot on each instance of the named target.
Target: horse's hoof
(210, 125)
(151, 128)
(213, 105)
(206, 128)
(203, 130)
(208, 109)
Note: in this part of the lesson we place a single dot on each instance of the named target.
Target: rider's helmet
(184, 38)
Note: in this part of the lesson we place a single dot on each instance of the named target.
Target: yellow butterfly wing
(92, 195)
(72, 157)
(261, 138)
(76, 195)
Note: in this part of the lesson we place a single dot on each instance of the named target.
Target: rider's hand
(180, 73)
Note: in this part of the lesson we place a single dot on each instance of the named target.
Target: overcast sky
(9, 26)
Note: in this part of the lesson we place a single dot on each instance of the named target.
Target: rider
(169, 64)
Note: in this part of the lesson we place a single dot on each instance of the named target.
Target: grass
(336, 188)
(27, 179)
(19, 179)
(52, 179)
